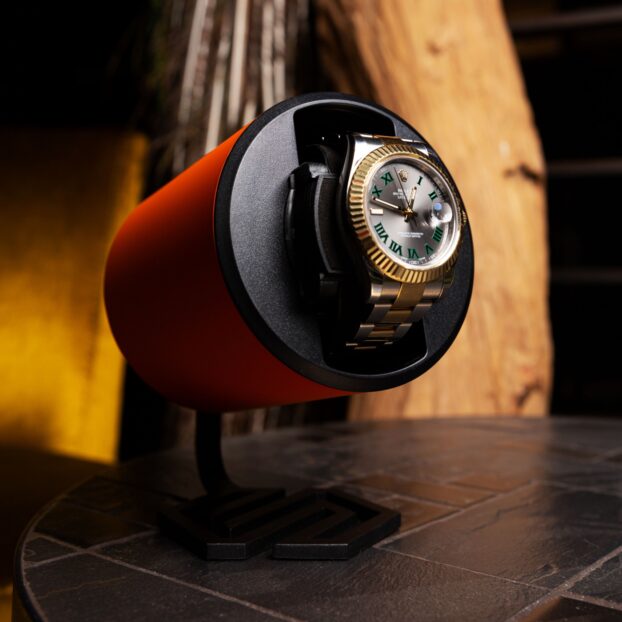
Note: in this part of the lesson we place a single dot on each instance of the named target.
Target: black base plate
(311, 524)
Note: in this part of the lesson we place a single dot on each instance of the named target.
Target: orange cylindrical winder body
(171, 311)
(203, 280)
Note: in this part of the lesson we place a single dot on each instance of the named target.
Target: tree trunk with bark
(450, 69)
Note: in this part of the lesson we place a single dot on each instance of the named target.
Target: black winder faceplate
(249, 225)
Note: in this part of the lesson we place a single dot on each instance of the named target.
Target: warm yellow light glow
(63, 194)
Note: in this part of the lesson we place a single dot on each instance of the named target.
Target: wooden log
(451, 70)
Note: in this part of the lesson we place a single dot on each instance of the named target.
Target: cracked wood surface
(450, 69)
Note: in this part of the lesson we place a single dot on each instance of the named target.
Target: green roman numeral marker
(420, 180)
(387, 178)
(412, 253)
(396, 248)
(376, 192)
(438, 234)
(428, 249)
(433, 195)
(382, 234)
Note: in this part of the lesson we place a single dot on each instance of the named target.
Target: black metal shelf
(588, 167)
(604, 276)
(598, 17)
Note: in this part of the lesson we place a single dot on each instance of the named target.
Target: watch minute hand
(413, 194)
(403, 197)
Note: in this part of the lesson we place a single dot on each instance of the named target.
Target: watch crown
(403, 174)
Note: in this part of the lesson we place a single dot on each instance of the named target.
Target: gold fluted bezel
(357, 213)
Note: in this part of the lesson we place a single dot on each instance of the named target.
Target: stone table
(503, 519)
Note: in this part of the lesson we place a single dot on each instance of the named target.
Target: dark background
(571, 65)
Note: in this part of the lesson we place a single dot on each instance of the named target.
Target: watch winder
(321, 250)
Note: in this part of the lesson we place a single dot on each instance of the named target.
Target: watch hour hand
(391, 206)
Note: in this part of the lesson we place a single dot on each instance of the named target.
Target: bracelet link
(395, 308)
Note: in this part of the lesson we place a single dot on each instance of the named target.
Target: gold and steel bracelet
(395, 307)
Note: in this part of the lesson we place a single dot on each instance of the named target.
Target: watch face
(411, 212)
(405, 213)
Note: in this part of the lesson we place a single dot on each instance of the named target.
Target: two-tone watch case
(368, 155)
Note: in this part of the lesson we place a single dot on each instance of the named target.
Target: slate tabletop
(503, 519)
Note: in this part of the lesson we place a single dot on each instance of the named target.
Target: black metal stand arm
(232, 522)
(208, 450)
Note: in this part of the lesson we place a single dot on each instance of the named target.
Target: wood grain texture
(450, 69)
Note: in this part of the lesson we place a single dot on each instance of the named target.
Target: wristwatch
(406, 217)
(373, 227)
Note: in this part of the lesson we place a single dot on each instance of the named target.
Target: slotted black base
(311, 524)
(236, 523)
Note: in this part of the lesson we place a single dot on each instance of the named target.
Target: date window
(442, 211)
